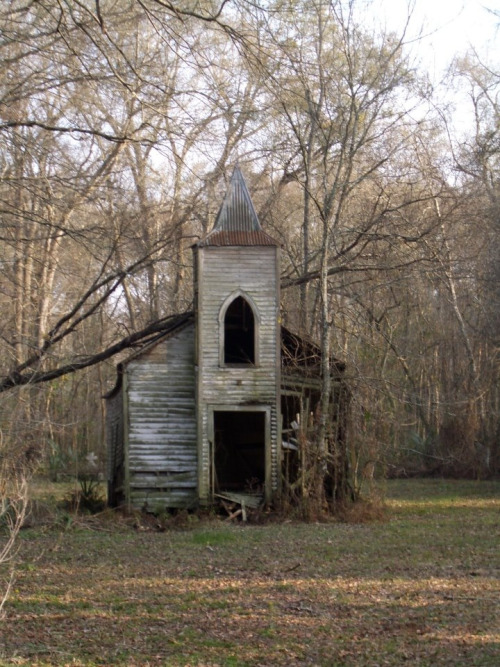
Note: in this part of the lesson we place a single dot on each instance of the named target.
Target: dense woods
(120, 123)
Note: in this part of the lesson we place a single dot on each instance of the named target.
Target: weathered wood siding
(221, 271)
(162, 451)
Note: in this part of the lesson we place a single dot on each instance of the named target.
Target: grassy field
(421, 587)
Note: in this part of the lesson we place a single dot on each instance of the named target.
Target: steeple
(237, 223)
(237, 212)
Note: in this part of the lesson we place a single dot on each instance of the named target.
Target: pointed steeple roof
(237, 222)
(237, 212)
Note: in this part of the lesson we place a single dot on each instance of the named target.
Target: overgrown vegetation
(421, 586)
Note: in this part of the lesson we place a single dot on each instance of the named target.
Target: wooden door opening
(239, 451)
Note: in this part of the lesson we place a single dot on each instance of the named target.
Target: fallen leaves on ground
(419, 588)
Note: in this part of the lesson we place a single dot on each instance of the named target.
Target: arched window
(239, 333)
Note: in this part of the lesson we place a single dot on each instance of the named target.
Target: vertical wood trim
(196, 302)
(203, 475)
(211, 453)
(126, 430)
(279, 419)
(268, 458)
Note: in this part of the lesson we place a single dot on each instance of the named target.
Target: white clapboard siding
(162, 455)
(253, 271)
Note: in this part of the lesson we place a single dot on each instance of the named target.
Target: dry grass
(420, 587)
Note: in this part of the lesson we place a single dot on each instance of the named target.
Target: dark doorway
(239, 333)
(239, 451)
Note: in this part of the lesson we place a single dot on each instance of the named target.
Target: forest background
(120, 123)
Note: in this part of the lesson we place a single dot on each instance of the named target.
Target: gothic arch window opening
(239, 346)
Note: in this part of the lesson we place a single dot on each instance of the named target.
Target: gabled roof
(163, 329)
(237, 223)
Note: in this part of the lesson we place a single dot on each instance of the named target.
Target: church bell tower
(237, 352)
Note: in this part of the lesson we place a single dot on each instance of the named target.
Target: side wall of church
(161, 448)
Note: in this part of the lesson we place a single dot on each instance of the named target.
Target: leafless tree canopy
(120, 121)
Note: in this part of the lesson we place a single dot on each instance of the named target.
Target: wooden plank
(246, 499)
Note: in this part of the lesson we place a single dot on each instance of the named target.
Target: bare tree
(346, 99)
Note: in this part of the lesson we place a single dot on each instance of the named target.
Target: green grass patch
(213, 537)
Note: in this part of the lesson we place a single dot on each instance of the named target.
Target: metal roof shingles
(237, 212)
(237, 223)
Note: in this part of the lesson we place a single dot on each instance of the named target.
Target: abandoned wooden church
(213, 405)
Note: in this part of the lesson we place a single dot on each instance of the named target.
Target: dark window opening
(239, 333)
(239, 451)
